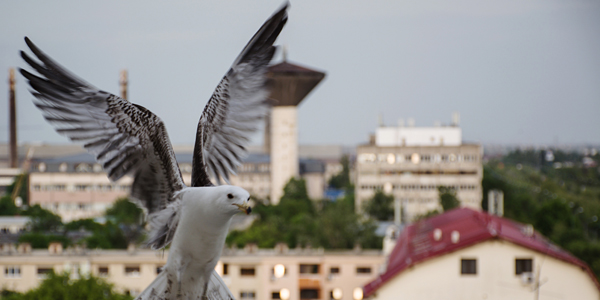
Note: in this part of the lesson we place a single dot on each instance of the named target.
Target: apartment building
(76, 187)
(250, 273)
(411, 163)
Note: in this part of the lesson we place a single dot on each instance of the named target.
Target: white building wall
(284, 149)
(440, 277)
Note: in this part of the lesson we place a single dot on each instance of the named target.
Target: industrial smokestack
(123, 83)
(12, 112)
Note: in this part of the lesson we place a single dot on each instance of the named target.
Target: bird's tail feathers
(164, 287)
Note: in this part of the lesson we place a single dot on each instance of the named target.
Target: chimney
(24, 248)
(455, 119)
(251, 248)
(12, 112)
(123, 83)
(131, 248)
(496, 202)
(55, 248)
(281, 248)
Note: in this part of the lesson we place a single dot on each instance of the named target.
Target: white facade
(418, 136)
(284, 148)
(495, 278)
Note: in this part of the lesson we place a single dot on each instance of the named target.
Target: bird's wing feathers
(164, 223)
(125, 138)
(237, 105)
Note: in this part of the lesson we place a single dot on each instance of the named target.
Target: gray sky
(517, 71)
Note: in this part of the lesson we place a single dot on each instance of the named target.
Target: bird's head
(235, 199)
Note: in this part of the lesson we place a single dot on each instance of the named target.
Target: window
(247, 271)
(334, 270)
(247, 295)
(363, 270)
(12, 272)
(42, 272)
(309, 294)
(275, 295)
(468, 266)
(523, 266)
(309, 269)
(103, 271)
(132, 271)
(159, 269)
(225, 269)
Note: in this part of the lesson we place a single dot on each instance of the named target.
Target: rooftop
(422, 241)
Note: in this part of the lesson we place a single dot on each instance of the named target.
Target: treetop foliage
(562, 203)
(299, 221)
(60, 286)
(380, 207)
(448, 198)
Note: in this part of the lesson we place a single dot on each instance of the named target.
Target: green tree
(124, 211)
(296, 222)
(342, 179)
(128, 216)
(42, 219)
(8, 207)
(60, 286)
(40, 240)
(555, 220)
(380, 206)
(448, 198)
(83, 224)
(341, 228)
(295, 200)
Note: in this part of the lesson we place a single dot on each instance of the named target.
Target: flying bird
(126, 138)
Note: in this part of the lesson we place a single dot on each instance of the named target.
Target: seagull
(128, 139)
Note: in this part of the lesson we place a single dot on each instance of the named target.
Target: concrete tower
(291, 84)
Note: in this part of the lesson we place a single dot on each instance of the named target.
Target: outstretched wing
(236, 107)
(124, 137)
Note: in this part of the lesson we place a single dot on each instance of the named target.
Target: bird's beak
(245, 208)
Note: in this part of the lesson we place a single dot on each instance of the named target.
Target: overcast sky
(525, 72)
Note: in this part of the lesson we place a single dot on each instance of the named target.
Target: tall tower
(291, 84)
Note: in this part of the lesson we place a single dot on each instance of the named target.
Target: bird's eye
(230, 196)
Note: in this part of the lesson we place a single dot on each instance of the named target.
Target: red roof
(417, 242)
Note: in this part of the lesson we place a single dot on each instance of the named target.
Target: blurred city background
(439, 150)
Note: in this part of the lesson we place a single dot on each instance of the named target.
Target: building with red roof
(469, 254)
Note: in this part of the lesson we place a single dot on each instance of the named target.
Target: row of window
(185, 168)
(469, 266)
(134, 270)
(303, 269)
(253, 178)
(420, 172)
(417, 187)
(415, 158)
(81, 187)
(254, 168)
(55, 207)
(15, 271)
